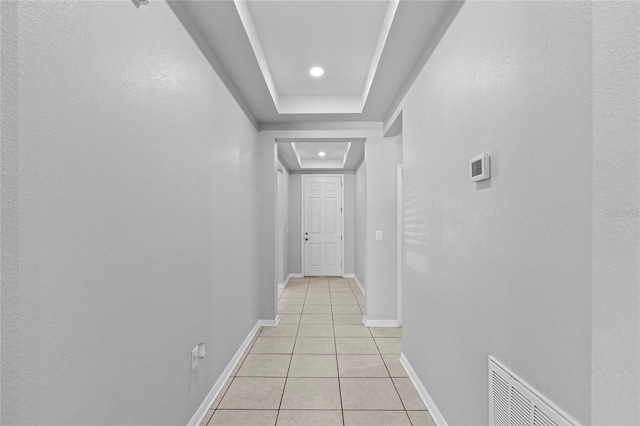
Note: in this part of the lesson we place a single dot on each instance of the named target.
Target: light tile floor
(320, 366)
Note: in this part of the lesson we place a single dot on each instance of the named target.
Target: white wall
(502, 267)
(616, 214)
(360, 208)
(129, 216)
(295, 218)
(383, 155)
(282, 265)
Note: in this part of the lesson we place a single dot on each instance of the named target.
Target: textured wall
(129, 216)
(383, 155)
(501, 267)
(616, 213)
(360, 247)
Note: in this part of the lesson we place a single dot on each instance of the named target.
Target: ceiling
(371, 51)
(303, 154)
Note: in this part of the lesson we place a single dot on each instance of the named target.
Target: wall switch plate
(378, 235)
(194, 358)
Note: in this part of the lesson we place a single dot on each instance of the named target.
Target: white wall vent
(512, 402)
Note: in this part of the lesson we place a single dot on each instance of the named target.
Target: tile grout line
(295, 340)
(335, 345)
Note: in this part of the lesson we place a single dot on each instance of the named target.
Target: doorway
(322, 225)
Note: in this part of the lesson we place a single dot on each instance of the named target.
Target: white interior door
(322, 225)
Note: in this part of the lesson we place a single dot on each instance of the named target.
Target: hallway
(320, 366)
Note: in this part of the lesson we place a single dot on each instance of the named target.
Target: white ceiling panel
(303, 154)
(339, 36)
(371, 51)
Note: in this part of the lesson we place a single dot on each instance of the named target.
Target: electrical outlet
(194, 358)
(378, 235)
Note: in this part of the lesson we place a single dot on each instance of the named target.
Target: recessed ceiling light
(316, 71)
(321, 154)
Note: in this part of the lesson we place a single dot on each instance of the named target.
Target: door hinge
(340, 237)
(340, 209)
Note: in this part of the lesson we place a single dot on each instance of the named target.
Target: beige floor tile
(342, 297)
(316, 309)
(315, 345)
(311, 394)
(239, 364)
(318, 301)
(207, 418)
(253, 393)
(310, 418)
(324, 330)
(291, 301)
(356, 346)
(342, 290)
(281, 330)
(319, 285)
(344, 302)
(289, 318)
(351, 330)
(316, 319)
(421, 418)
(393, 365)
(273, 345)
(313, 366)
(386, 331)
(253, 341)
(221, 394)
(289, 309)
(362, 366)
(265, 365)
(389, 345)
(347, 309)
(318, 290)
(295, 290)
(409, 394)
(347, 318)
(369, 394)
(244, 418)
(376, 418)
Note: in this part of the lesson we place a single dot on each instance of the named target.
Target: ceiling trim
(382, 41)
(346, 154)
(254, 40)
(315, 104)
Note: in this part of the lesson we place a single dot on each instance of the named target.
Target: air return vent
(512, 402)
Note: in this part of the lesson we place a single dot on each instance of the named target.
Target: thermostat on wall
(480, 167)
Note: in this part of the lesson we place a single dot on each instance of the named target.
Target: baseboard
(217, 387)
(286, 281)
(348, 275)
(359, 284)
(422, 391)
(379, 323)
(269, 323)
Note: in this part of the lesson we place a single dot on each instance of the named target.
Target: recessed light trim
(316, 72)
(322, 153)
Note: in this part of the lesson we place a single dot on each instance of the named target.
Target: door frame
(302, 244)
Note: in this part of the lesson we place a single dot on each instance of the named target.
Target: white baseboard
(269, 323)
(355, 278)
(286, 281)
(348, 275)
(217, 387)
(379, 323)
(422, 391)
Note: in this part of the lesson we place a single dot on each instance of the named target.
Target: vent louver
(512, 402)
